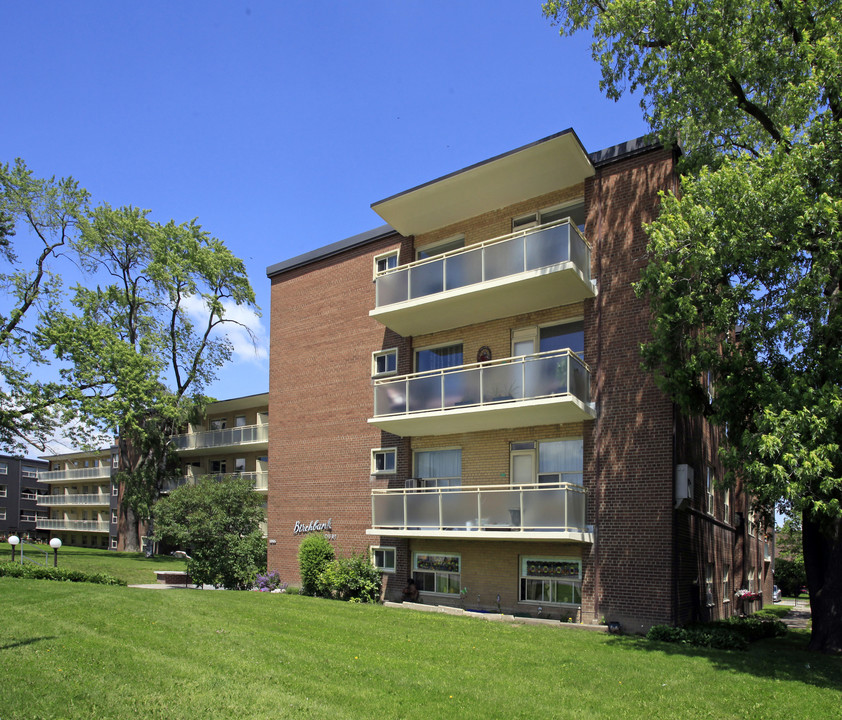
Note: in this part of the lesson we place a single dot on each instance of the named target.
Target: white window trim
(4, 468)
(386, 451)
(726, 583)
(3, 491)
(29, 472)
(383, 353)
(440, 243)
(416, 570)
(548, 558)
(543, 211)
(710, 506)
(385, 549)
(416, 350)
(415, 472)
(384, 256)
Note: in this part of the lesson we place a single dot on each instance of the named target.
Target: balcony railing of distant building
(528, 377)
(75, 499)
(547, 509)
(92, 473)
(243, 435)
(77, 525)
(501, 257)
(259, 479)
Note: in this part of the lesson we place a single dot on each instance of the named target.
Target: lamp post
(55, 544)
(14, 541)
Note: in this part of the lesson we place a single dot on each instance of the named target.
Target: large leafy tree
(745, 263)
(155, 318)
(218, 522)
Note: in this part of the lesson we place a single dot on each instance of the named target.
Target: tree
(47, 212)
(218, 522)
(745, 265)
(315, 553)
(155, 322)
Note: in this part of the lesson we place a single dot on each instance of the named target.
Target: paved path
(798, 615)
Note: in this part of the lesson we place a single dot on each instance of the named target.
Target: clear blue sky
(277, 124)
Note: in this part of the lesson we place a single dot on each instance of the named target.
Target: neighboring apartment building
(81, 506)
(19, 492)
(84, 505)
(459, 393)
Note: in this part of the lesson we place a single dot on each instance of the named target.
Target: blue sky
(277, 124)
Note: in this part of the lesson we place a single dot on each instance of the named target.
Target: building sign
(301, 528)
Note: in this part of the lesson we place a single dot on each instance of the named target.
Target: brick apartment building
(19, 493)
(81, 503)
(459, 393)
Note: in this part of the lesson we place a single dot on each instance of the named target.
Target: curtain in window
(438, 358)
(438, 464)
(564, 336)
(561, 456)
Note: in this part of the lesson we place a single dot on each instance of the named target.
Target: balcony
(542, 389)
(75, 499)
(489, 512)
(523, 272)
(56, 476)
(259, 479)
(247, 435)
(77, 525)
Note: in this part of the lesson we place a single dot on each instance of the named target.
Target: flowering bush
(270, 582)
(747, 595)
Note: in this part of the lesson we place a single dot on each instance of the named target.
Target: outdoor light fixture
(55, 544)
(14, 540)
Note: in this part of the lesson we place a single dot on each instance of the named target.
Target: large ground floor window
(551, 580)
(437, 573)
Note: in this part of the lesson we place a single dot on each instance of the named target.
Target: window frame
(29, 493)
(436, 346)
(524, 579)
(537, 215)
(2, 512)
(30, 472)
(710, 506)
(452, 240)
(726, 583)
(437, 481)
(387, 352)
(393, 451)
(221, 422)
(710, 597)
(4, 468)
(4, 491)
(447, 576)
(385, 256)
(386, 550)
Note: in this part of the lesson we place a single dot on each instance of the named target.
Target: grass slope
(134, 568)
(74, 651)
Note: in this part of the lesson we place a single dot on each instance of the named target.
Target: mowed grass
(134, 568)
(71, 650)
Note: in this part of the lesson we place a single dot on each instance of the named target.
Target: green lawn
(134, 568)
(71, 650)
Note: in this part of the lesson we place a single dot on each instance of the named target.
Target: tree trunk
(130, 529)
(822, 540)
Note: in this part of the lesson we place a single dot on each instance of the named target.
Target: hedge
(38, 572)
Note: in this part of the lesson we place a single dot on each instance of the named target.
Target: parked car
(776, 593)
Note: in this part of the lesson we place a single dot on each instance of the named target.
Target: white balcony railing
(244, 435)
(530, 377)
(499, 511)
(78, 525)
(484, 262)
(75, 499)
(259, 479)
(77, 474)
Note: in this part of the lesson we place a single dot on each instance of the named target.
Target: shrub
(352, 578)
(732, 634)
(269, 582)
(314, 554)
(38, 572)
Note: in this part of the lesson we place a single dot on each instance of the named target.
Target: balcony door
(523, 467)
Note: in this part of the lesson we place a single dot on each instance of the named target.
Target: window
(115, 460)
(439, 248)
(752, 580)
(219, 424)
(113, 516)
(115, 489)
(4, 468)
(384, 362)
(2, 513)
(27, 471)
(726, 583)
(3, 491)
(553, 580)
(438, 468)
(750, 522)
(239, 421)
(726, 501)
(438, 358)
(218, 467)
(561, 336)
(385, 261)
(440, 574)
(709, 491)
(557, 461)
(84, 539)
(28, 494)
(709, 584)
(27, 516)
(113, 543)
(86, 463)
(383, 461)
(575, 211)
(240, 465)
(383, 558)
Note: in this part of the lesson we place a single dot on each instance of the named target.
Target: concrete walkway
(799, 615)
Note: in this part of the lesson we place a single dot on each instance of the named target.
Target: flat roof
(565, 143)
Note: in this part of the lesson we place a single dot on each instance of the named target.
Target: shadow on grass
(784, 658)
(28, 641)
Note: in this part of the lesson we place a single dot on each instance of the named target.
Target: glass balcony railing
(529, 377)
(259, 479)
(533, 249)
(78, 525)
(76, 474)
(75, 499)
(558, 508)
(245, 435)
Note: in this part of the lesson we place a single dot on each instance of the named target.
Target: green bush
(352, 578)
(732, 634)
(38, 572)
(790, 576)
(314, 555)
